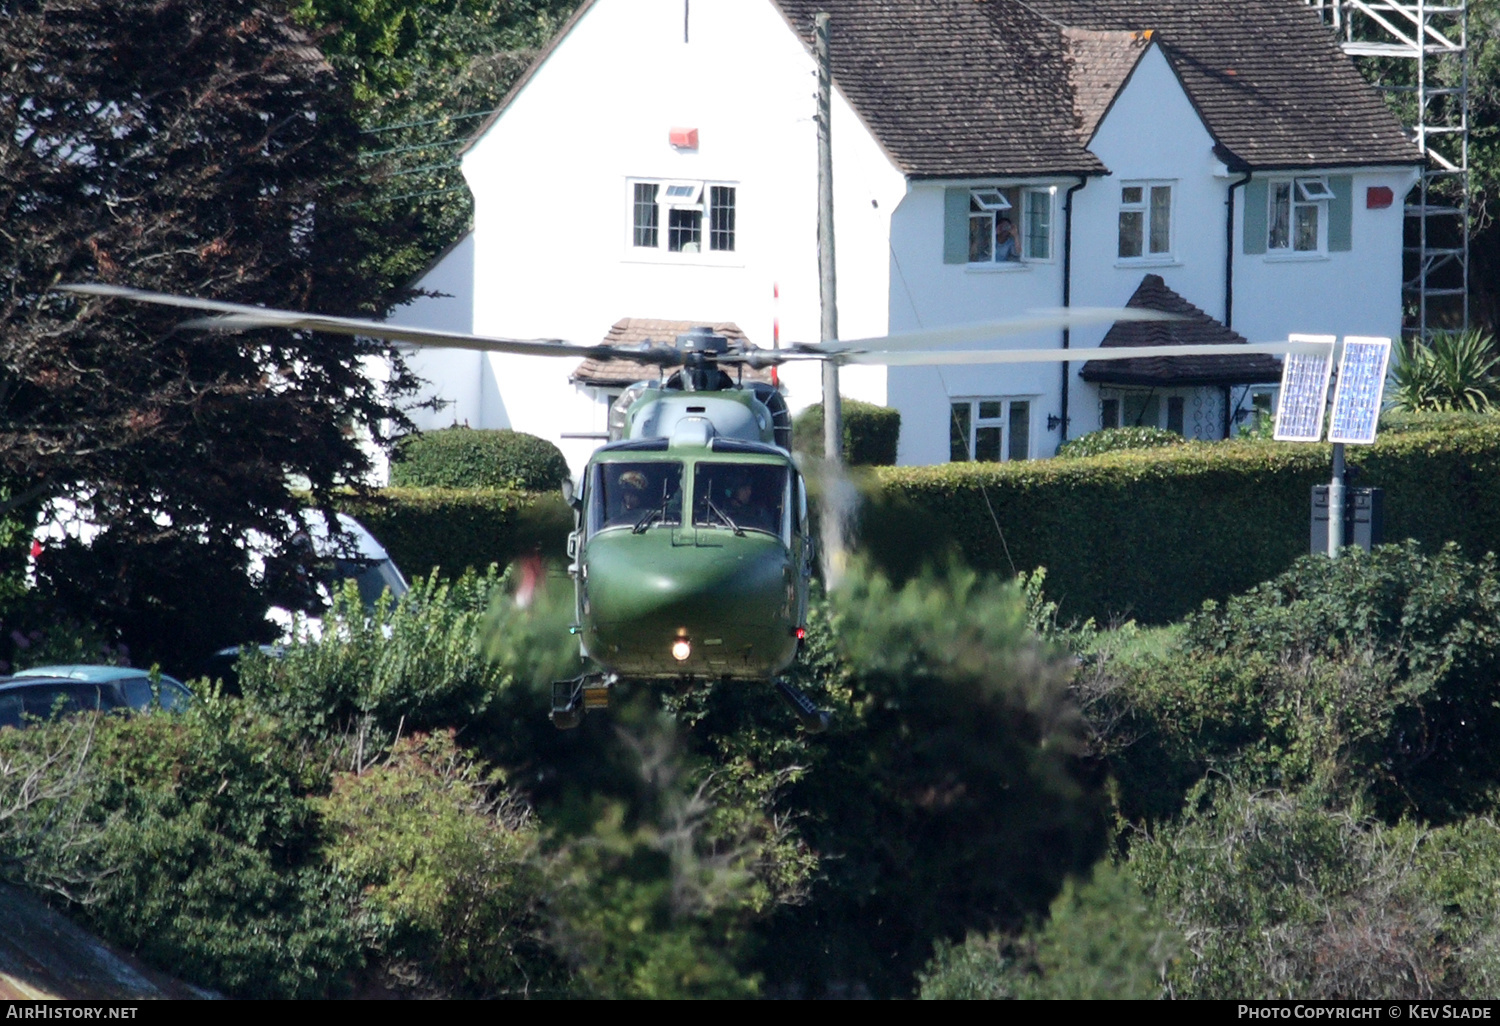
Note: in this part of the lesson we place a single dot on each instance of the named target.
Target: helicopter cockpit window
(740, 496)
(637, 495)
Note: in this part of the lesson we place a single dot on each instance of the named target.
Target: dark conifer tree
(191, 146)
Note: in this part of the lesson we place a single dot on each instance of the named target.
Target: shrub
(1118, 439)
(871, 433)
(1103, 938)
(445, 860)
(1152, 534)
(188, 840)
(451, 530)
(1374, 673)
(1452, 370)
(461, 457)
(419, 664)
(1298, 895)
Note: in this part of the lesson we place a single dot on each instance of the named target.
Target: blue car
(45, 691)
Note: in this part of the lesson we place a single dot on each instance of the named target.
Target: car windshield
(739, 496)
(638, 495)
(372, 578)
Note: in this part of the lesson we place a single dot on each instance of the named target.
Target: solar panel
(1304, 392)
(1361, 384)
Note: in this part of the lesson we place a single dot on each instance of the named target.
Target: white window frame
(1002, 421)
(1307, 192)
(1143, 206)
(1019, 215)
(697, 199)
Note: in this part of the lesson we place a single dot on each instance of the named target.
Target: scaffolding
(1417, 53)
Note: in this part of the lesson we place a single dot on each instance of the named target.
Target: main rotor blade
(239, 317)
(986, 331)
(975, 356)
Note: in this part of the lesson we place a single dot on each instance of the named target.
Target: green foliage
(460, 457)
(656, 896)
(1103, 938)
(445, 860)
(1374, 671)
(945, 796)
(188, 840)
(427, 529)
(426, 72)
(1118, 439)
(871, 433)
(1299, 895)
(421, 663)
(1452, 370)
(1152, 534)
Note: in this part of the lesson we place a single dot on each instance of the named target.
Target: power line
(429, 121)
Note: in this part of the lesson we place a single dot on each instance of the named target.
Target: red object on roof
(684, 138)
(1378, 197)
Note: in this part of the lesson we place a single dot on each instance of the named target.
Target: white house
(990, 156)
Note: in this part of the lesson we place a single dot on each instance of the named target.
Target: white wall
(452, 376)
(1353, 293)
(1152, 133)
(927, 293)
(552, 198)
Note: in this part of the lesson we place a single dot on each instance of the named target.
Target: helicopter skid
(571, 699)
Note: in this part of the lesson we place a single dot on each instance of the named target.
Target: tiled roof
(1267, 77)
(1098, 65)
(974, 88)
(1196, 328)
(633, 331)
(954, 88)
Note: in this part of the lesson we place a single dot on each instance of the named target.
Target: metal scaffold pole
(1431, 38)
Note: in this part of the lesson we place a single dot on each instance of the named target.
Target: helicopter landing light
(682, 649)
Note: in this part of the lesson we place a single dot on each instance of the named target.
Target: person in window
(1006, 245)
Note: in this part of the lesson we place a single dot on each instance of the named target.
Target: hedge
(425, 529)
(1151, 534)
(871, 433)
(460, 457)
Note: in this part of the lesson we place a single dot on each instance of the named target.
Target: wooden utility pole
(833, 415)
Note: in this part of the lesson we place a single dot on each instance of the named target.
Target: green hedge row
(461, 457)
(1152, 534)
(449, 528)
(871, 433)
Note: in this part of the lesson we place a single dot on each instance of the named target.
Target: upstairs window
(989, 430)
(1145, 220)
(1002, 224)
(685, 204)
(1297, 216)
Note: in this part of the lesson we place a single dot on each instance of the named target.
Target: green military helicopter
(691, 555)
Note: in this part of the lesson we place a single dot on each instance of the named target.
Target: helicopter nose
(690, 585)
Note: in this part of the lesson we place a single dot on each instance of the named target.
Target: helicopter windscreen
(638, 494)
(743, 496)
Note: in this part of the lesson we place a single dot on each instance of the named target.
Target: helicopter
(692, 555)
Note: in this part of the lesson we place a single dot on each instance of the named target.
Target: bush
(1452, 370)
(1103, 938)
(1118, 439)
(461, 457)
(445, 860)
(1373, 673)
(1287, 895)
(871, 433)
(1152, 534)
(451, 530)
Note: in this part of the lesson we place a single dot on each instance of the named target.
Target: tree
(426, 73)
(191, 147)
